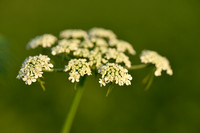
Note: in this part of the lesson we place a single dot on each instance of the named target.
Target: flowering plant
(97, 51)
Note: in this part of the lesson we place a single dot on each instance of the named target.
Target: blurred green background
(172, 105)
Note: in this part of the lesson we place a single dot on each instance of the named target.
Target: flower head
(159, 61)
(112, 72)
(65, 46)
(46, 40)
(32, 68)
(122, 46)
(86, 44)
(77, 68)
(81, 52)
(99, 42)
(73, 33)
(119, 57)
(102, 33)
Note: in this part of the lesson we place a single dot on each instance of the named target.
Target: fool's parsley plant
(97, 52)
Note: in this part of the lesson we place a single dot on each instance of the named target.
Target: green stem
(55, 70)
(151, 77)
(73, 108)
(140, 66)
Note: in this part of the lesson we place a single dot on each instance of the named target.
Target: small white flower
(74, 33)
(32, 68)
(102, 82)
(102, 33)
(122, 46)
(46, 40)
(65, 46)
(160, 62)
(77, 68)
(112, 72)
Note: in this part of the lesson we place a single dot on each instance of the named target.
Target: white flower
(112, 72)
(122, 46)
(65, 46)
(77, 68)
(74, 33)
(119, 57)
(102, 33)
(46, 40)
(102, 82)
(160, 62)
(32, 68)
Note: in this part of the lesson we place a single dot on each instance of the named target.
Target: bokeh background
(172, 105)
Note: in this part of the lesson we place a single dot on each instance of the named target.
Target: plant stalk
(55, 70)
(140, 66)
(73, 108)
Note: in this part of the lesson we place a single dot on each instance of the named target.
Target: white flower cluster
(112, 72)
(81, 52)
(32, 68)
(160, 62)
(77, 68)
(74, 33)
(99, 42)
(122, 46)
(120, 57)
(102, 33)
(98, 49)
(65, 46)
(46, 40)
(86, 44)
(98, 46)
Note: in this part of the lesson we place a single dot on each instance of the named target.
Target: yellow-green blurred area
(172, 105)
